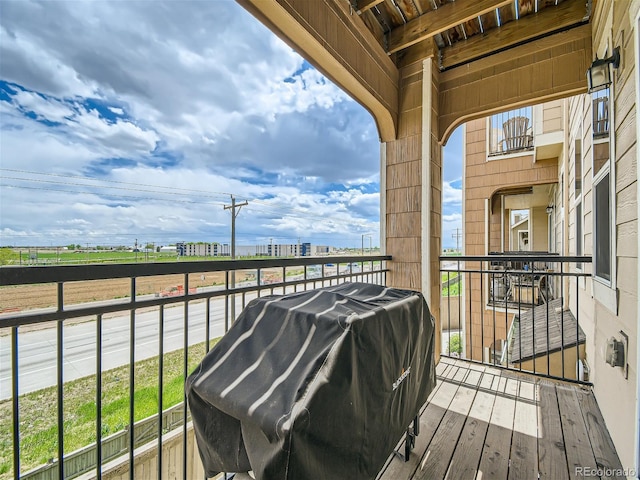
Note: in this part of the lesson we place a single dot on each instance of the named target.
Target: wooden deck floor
(486, 423)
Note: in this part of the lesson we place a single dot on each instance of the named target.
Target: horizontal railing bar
(523, 272)
(551, 258)
(73, 311)
(26, 275)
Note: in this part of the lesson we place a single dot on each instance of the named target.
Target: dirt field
(26, 297)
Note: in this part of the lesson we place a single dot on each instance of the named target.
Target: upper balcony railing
(85, 322)
(511, 132)
(517, 311)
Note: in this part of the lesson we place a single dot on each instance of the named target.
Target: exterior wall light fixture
(599, 73)
(549, 209)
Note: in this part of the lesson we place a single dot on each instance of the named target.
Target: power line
(108, 181)
(276, 207)
(297, 213)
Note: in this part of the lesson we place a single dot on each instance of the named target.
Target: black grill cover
(319, 384)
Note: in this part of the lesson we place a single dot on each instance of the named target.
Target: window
(603, 229)
(578, 167)
(578, 197)
(579, 232)
(603, 203)
(601, 113)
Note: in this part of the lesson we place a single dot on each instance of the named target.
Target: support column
(413, 179)
(432, 192)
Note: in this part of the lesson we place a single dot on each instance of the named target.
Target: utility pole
(234, 214)
(457, 235)
(362, 246)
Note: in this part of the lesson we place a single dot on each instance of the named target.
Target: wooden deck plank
(524, 444)
(576, 437)
(552, 458)
(466, 457)
(487, 381)
(494, 462)
(601, 443)
(400, 445)
(502, 383)
(487, 423)
(493, 371)
(512, 387)
(527, 391)
(460, 375)
(451, 372)
(429, 422)
(441, 367)
(476, 366)
(473, 377)
(435, 461)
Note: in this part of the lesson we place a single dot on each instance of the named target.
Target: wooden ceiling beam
(545, 22)
(418, 52)
(364, 5)
(437, 21)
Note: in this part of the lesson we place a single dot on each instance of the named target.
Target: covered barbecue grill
(314, 385)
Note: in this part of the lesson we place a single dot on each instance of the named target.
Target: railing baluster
(185, 373)
(470, 315)
(520, 330)
(482, 307)
(15, 402)
(547, 302)
(577, 330)
(132, 385)
(449, 313)
(207, 326)
(160, 383)
(226, 301)
(60, 359)
(562, 315)
(99, 397)
(533, 319)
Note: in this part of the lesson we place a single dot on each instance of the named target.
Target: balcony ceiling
(460, 31)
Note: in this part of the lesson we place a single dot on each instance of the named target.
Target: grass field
(38, 410)
(453, 290)
(67, 257)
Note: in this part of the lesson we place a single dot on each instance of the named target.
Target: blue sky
(137, 120)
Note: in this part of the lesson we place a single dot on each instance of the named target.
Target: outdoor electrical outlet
(616, 353)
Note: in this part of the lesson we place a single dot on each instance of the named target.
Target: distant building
(191, 249)
(201, 249)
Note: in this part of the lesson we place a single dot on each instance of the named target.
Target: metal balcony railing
(511, 132)
(518, 311)
(197, 314)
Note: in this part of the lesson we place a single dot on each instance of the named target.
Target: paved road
(37, 365)
(37, 349)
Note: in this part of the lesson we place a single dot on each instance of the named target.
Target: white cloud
(45, 109)
(193, 96)
(450, 194)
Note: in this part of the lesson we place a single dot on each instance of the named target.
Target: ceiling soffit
(458, 32)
